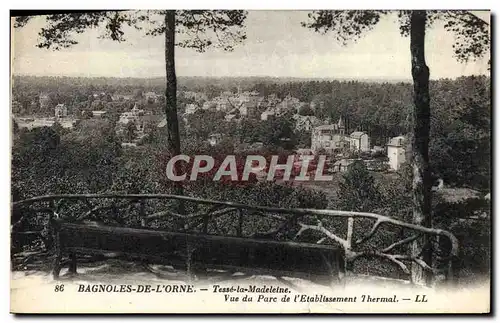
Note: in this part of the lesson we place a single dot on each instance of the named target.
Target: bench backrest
(208, 250)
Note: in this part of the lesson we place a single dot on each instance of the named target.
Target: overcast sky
(277, 45)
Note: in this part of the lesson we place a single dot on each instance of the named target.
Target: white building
(61, 111)
(129, 144)
(265, 115)
(151, 96)
(191, 108)
(44, 100)
(329, 137)
(222, 106)
(243, 109)
(396, 152)
(207, 105)
(230, 117)
(125, 97)
(304, 151)
(133, 115)
(31, 123)
(99, 114)
(360, 141)
(136, 116)
(162, 123)
(197, 96)
(214, 139)
(305, 123)
(342, 165)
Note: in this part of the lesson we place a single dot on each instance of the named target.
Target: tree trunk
(174, 142)
(421, 187)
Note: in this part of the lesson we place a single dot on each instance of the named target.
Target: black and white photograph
(250, 161)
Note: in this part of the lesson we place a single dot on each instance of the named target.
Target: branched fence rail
(33, 217)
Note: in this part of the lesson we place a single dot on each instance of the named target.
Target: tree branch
(100, 208)
(189, 216)
(372, 231)
(319, 227)
(401, 242)
(453, 14)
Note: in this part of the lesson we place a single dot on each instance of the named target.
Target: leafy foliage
(472, 39)
(197, 28)
(306, 111)
(345, 24)
(358, 191)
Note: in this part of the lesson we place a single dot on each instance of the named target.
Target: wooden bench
(319, 263)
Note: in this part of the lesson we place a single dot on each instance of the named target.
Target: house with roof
(44, 100)
(343, 164)
(230, 117)
(329, 137)
(305, 123)
(191, 108)
(31, 123)
(122, 97)
(243, 108)
(304, 151)
(197, 96)
(266, 114)
(214, 138)
(359, 141)
(221, 104)
(162, 123)
(151, 96)
(396, 149)
(136, 116)
(99, 114)
(61, 111)
(133, 115)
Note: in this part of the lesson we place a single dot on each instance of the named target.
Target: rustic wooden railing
(32, 216)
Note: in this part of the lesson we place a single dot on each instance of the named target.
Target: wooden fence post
(347, 258)
(142, 212)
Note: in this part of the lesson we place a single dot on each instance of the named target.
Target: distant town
(331, 137)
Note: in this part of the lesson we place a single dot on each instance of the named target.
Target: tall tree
(472, 41)
(358, 191)
(197, 28)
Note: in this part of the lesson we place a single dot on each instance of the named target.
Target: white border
(190, 4)
(256, 4)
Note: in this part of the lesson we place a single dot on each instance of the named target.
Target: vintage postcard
(243, 161)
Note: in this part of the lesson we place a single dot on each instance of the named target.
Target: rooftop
(397, 141)
(357, 134)
(327, 127)
(162, 123)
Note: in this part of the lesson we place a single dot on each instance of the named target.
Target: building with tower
(332, 138)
